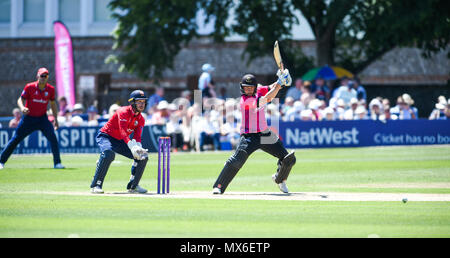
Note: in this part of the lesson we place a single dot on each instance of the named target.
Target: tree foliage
(150, 34)
(372, 28)
(350, 33)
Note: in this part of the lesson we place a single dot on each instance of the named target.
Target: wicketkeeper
(255, 133)
(114, 137)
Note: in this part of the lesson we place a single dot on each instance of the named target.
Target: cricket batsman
(114, 137)
(33, 103)
(255, 133)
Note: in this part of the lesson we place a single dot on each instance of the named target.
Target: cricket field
(345, 192)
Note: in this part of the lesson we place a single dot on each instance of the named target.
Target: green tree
(350, 33)
(373, 28)
(150, 34)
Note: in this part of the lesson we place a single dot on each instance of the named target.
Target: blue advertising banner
(75, 140)
(355, 133)
(293, 134)
(71, 140)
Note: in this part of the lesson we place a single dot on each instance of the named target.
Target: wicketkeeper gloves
(138, 152)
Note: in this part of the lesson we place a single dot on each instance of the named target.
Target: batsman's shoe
(138, 189)
(97, 190)
(59, 166)
(217, 190)
(283, 187)
(2, 165)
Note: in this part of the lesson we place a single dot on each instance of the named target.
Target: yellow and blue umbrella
(327, 73)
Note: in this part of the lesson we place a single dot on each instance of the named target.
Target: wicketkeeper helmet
(137, 95)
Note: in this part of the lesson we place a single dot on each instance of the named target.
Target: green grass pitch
(38, 201)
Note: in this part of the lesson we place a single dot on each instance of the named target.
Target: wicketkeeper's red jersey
(36, 99)
(123, 123)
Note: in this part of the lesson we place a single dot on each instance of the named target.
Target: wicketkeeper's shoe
(97, 190)
(2, 165)
(59, 166)
(283, 187)
(138, 189)
(217, 190)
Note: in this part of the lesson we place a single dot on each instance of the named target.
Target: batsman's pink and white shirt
(253, 117)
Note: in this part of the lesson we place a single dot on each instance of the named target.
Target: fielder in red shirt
(114, 137)
(33, 103)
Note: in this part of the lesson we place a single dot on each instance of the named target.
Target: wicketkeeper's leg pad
(137, 170)
(106, 158)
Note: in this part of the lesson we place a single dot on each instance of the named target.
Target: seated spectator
(13, 123)
(212, 104)
(395, 110)
(314, 106)
(77, 121)
(112, 109)
(385, 102)
(78, 109)
(387, 114)
(230, 130)
(345, 92)
(307, 94)
(340, 109)
(439, 110)
(174, 128)
(361, 113)
(404, 110)
(195, 126)
(296, 92)
(376, 110)
(210, 132)
(322, 91)
(161, 116)
(410, 103)
(350, 114)
(288, 104)
(66, 119)
(231, 108)
(62, 103)
(93, 116)
(306, 115)
(272, 113)
(328, 114)
(187, 94)
(294, 113)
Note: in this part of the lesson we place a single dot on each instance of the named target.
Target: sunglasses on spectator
(44, 75)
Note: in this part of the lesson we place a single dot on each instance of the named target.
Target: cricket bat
(277, 56)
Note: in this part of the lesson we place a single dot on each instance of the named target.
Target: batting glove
(287, 78)
(280, 77)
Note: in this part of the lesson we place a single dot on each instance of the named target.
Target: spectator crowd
(215, 119)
